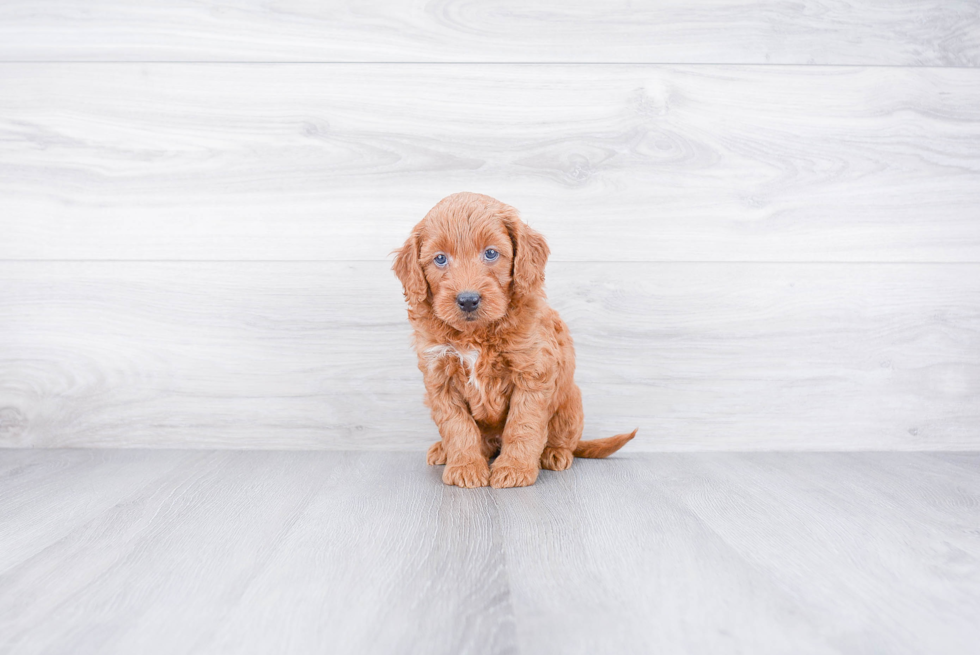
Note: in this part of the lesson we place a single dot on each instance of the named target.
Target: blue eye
(490, 254)
(440, 260)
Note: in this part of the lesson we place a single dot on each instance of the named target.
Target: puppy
(498, 362)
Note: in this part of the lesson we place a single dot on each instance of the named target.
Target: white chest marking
(467, 359)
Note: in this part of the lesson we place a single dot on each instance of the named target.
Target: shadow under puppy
(498, 362)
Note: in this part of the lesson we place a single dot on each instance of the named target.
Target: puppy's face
(468, 258)
(467, 263)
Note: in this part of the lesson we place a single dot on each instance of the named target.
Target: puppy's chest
(480, 374)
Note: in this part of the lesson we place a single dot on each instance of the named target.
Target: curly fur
(499, 381)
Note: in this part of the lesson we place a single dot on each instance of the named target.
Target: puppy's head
(469, 259)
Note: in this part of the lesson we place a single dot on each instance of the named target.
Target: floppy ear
(530, 255)
(408, 268)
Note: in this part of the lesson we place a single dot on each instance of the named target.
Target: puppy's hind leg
(564, 432)
(436, 455)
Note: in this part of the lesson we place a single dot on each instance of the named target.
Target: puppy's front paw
(469, 475)
(556, 459)
(436, 455)
(511, 475)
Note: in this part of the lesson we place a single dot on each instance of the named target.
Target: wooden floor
(170, 551)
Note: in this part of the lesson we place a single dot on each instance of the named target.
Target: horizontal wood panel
(636, 163)
(317, 355)
(929, 33)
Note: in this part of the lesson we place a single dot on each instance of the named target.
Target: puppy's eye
(490, 254)
(440, 260)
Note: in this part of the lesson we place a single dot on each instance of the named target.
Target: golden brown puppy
(498, 362)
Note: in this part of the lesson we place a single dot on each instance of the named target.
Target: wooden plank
(432, 580)
(252, 552)
(930, 33)
(36, 512)
(316, 355)
(757, 553)
(612, 163)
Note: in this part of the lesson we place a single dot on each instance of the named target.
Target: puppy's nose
(468, 301)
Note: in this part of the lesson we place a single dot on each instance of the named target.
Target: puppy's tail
(599, 448)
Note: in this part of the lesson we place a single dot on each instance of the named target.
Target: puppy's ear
(408, 268)
(530, 255)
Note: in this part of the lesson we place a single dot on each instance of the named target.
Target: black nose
(468, 301)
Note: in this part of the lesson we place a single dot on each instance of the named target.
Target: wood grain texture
(612, 163)
(930, 33)
(261, 552)
(316, 355)
(252, 552)
(33, 492)
(706, 553)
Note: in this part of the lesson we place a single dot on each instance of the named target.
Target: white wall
(765, 219)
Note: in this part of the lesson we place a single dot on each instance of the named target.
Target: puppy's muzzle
(468, 301)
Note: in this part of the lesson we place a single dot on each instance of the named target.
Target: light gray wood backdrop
(877, 32)
(765, 219)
